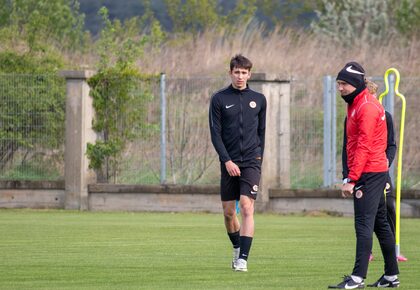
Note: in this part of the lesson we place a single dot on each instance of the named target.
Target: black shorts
(232, 187)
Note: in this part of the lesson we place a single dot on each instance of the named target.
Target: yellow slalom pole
(400, 150)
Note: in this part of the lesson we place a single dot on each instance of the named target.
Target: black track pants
(390, 204)
(370, 215)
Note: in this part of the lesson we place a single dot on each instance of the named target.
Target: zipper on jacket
(241, 122)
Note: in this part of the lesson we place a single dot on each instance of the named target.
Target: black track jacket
(237, 124)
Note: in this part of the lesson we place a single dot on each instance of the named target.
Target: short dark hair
(240, 61)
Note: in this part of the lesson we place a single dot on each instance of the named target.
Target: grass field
(120, 250)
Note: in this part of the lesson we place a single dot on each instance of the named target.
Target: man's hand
(347, 190)
(232, 168)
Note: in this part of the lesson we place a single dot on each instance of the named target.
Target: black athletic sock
(234, 238)
(245, 247)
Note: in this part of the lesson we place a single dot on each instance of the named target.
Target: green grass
(120, 250)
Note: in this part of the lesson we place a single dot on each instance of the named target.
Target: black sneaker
(348, 283)
(384, 283)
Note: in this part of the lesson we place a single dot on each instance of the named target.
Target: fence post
(327, 131)
(79, 116)
(334, 133)
(162, 129)
(276, 164)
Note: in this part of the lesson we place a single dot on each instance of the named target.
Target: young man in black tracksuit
(237, 126)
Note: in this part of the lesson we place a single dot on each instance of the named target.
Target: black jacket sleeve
(261, 126)
(215, 122)
(391, 146)
(344, 153)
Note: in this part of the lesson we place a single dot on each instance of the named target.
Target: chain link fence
(190, 157)
(32, 118)
(411, 147)
(306, 118)
(32, 125)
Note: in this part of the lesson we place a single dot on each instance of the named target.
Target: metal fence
(139, 118)
(411, 146)
(188, 154)
(32, 127)
(179, 150)
(185, 149)
(306, 118)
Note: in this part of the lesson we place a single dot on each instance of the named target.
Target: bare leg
(247, 215)
(229, 212)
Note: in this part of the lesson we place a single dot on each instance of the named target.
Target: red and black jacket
(365, 136)
(391, 146)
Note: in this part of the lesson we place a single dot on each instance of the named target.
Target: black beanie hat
(353, 74)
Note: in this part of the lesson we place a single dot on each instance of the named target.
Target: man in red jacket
(368, 170)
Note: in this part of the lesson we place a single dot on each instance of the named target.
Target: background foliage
(136, 38)
(66, 32)
(117, 100)
(31, 127)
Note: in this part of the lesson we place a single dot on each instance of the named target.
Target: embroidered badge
(254, 190)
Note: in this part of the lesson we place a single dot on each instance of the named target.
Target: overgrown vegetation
(194, 38)
(117, 99)
(367, 21)
(43, 29)
(31, 36)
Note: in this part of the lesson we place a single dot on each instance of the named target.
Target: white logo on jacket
(252, 104)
